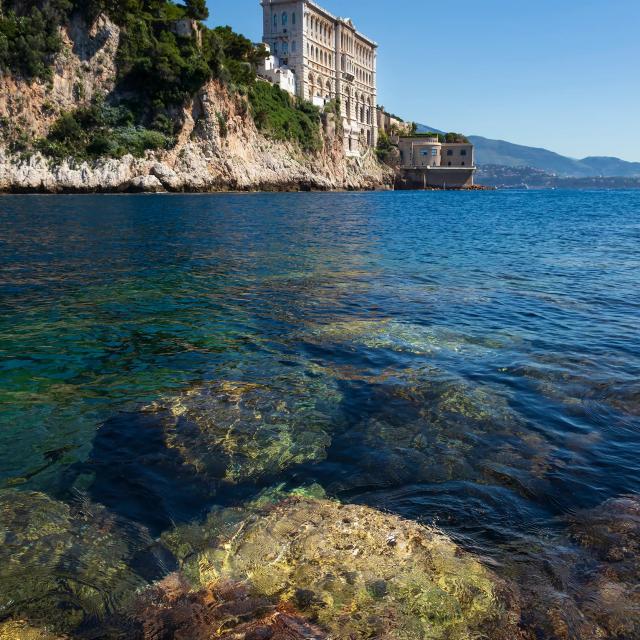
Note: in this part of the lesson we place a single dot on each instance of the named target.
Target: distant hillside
(504, 177)
(500, 152)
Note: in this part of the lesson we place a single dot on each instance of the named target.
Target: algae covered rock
(242, 431)
(61, 565)
(357, 572)
(20, 630)
(171, 609)
(611, 595)
(394, 335)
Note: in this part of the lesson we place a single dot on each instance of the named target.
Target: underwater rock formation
(385, 333)
(241, 431)
(355, 571)
(611, 532)
(171, 610)
(20, 630)
(61, 565)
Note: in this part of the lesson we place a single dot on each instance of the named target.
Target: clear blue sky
(559, 74)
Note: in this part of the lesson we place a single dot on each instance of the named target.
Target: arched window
(285, 19)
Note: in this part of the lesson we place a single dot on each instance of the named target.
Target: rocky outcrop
(219, 147)
(61, 565)
(354, 571)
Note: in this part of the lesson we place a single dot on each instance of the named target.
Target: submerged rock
(611, 595)
(241, 431)
(20, 630)
(355, 571)
(62, 565)
(391, 334)
(172, 610)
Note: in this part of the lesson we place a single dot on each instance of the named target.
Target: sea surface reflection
(464, 360)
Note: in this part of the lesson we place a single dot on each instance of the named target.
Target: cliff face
(218, 148)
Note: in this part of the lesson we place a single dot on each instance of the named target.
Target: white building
(331, 60)
(280, 75)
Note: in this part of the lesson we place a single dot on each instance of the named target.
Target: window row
(362, 54)
(320, 29)
(318, 55)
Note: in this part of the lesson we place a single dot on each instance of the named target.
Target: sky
(558, 74)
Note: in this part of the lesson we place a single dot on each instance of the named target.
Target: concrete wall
(439, 178)
(457, 155)
(420, 152)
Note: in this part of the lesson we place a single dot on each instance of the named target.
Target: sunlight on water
(248, 413)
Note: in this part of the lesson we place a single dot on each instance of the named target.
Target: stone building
(427, 162)
(331, 60)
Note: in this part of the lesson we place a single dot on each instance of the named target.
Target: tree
(197, 9)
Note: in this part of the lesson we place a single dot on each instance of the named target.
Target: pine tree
(197, 9)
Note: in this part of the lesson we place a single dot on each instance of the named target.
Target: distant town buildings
(330, 60)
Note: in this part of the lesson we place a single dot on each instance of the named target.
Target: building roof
(347, 22)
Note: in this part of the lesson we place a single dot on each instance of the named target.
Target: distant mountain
(500, 152)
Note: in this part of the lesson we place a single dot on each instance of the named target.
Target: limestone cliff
(218, 148)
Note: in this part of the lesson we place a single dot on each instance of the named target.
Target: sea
(466, 360)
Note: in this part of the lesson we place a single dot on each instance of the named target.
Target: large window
(449, 152)
(463, 152)
(285, 19)
(293, 47)
(434, 151)
(293, 18)
(285, 48)
(275, 21)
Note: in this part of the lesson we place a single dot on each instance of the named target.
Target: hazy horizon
(556, 75)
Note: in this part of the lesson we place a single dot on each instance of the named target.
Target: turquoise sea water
(465, 359)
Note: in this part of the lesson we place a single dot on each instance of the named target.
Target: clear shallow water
(468, 359)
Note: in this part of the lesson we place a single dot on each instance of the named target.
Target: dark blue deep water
(470, 360)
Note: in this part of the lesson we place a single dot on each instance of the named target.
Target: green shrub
(29, 37)
(99, 130)
(384, 147)
(282, 117)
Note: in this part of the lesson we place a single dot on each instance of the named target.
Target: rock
(167, 176)
(243, 431)
(61, 565)
(611, 595)
(226, 611)
(146, 184)
(20, 630)
(357, 572)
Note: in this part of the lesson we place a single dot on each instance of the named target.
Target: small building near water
(428, 162)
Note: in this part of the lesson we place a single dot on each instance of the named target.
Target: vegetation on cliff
(165, 56)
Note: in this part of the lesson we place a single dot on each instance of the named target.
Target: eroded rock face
(61, 565)
(205, 158)
(357, 572)
(242, 431)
